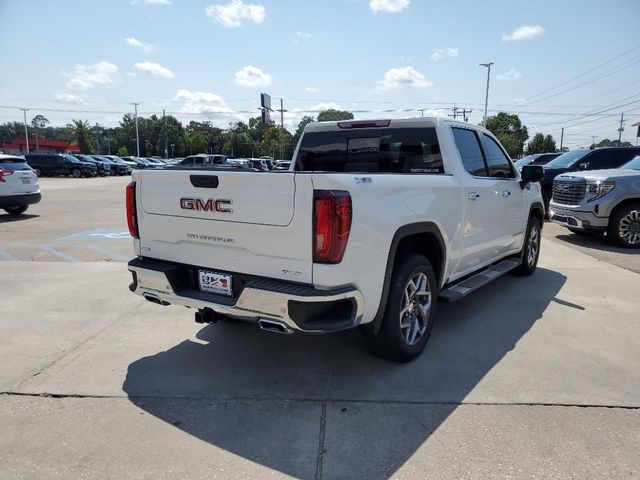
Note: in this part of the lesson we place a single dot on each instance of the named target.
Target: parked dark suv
(581, 160)
(60, 164)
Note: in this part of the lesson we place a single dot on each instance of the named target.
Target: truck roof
(383, 122)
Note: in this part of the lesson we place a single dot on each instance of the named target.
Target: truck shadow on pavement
(322, 406)
(15, 218)
(596, 242)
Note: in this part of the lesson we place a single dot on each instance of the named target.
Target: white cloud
(391, 6)
(69, 98)
(300, 36)
(512, 74)
(520, 101)
(524, 32)
(84, 77)
(134, 42)
(251, 76)
(439, 53)
(195, 103)
(154, 69)
(150, 2)
(311, 90)
(235, 12)
(401, 77)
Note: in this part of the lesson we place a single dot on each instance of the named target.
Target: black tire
(76, 173)
(396, 339)
(531, 248)
(17, 210)
(624, 226)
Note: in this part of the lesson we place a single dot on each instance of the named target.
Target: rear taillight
(4, 173)
(132, 218)
(332, 223)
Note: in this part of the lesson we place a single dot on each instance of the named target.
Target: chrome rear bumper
(300, 307)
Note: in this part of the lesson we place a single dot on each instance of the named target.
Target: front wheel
(624, 226)
(409, 315)
(531, 248)
(17, 210)
(76, 173)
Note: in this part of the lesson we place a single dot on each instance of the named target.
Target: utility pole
(135, 106)
(593, 140)
(282, 110)
(486, 98)
(97, 129)
(166, 139)
(561, 138)
(621, 129)
(455, 113)
(26, 131)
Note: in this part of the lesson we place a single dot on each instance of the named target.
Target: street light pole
(26, 131)
(486, 98)
(135, 106)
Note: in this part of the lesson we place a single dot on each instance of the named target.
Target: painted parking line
(8, 256)
(64, 256)
(114, 255)
(107, 233)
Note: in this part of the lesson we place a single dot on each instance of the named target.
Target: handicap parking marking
(64, 256)
(100, 234)
(8, 256)
(114, 255)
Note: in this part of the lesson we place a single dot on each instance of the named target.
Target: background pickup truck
(600, 201)
(373, 223)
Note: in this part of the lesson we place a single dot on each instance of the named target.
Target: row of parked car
(81, 165)
(593, 191)
(263, 164)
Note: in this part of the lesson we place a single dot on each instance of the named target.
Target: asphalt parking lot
(528, 378)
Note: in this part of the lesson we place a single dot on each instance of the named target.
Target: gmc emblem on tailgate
(208, 205)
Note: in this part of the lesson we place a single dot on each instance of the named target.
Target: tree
(82, 134)
(306, 120)
(508, 128)
(610, 143)
(333, 115)
(38, 123)
(541, 144)
(122, 151)
(10, 131)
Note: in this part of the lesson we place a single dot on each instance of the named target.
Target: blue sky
(209, 60)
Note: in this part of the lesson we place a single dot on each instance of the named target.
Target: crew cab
(374, 222)
(19, 186)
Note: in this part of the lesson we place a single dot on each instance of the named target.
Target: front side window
(470, 152)
(497, 161)
(375, 150)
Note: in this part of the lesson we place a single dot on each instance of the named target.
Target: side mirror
(531, 173)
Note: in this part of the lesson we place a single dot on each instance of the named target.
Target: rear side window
(13, 164)
(610, 158)
(497, 161)
(470, 152)
(375, 150)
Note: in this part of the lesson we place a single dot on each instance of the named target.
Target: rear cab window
(372, 150)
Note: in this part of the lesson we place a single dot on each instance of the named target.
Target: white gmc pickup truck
(375, 221)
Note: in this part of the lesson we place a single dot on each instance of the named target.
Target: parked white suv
(372, 224)
(19, 186)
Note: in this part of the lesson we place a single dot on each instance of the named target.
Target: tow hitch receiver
(206, 315)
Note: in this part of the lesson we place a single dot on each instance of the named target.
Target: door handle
(473, 196)
(506, 193)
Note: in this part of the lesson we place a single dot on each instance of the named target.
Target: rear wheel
(76, 173)
(408, 319)
(624, 226)
(16, 210)
(531, 248)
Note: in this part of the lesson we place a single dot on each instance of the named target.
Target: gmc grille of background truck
(332, 224)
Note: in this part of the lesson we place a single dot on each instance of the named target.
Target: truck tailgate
(236, 221)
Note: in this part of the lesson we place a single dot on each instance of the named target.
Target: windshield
(71, 158)
(526, 160)
(567, 159)
(633, 164)
(85, 158)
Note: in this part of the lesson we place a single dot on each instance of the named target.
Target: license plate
(26, 180)
(212, 282)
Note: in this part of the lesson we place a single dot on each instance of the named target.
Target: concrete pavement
(532, 377)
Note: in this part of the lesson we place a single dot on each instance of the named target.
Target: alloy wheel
(415, 308)
(533, 245)
(629, 228)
